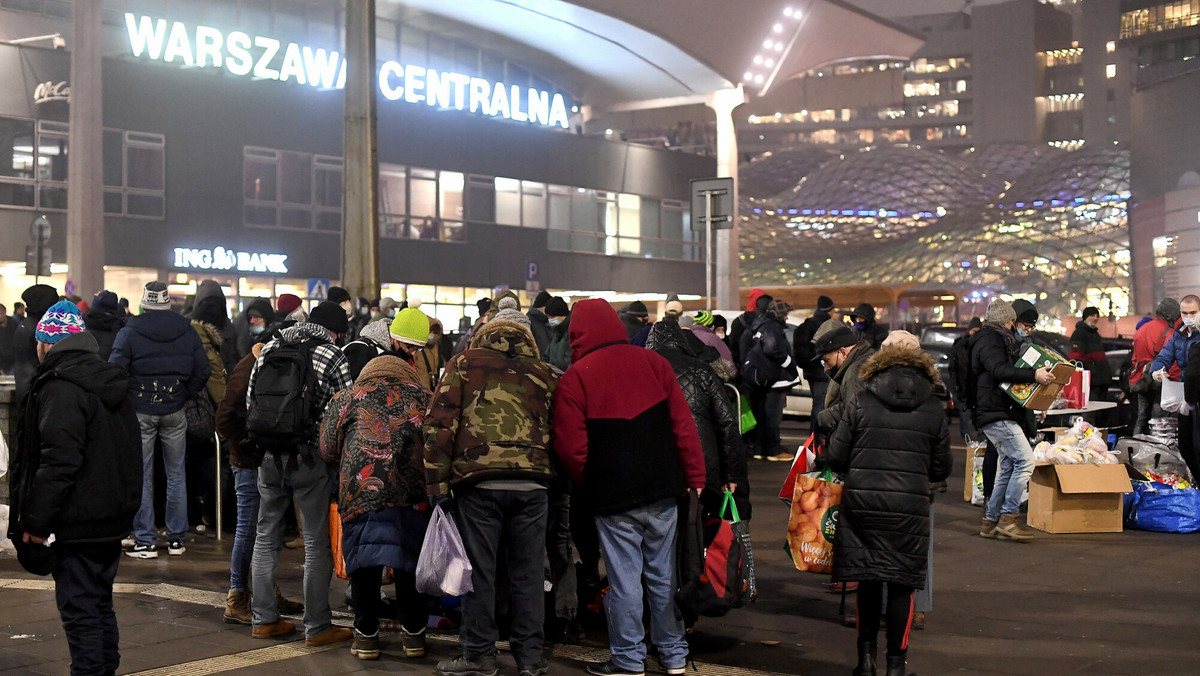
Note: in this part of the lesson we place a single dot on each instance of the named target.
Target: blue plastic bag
(1161, 508)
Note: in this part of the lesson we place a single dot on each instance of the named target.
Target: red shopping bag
(1077, 390)
(806, 455)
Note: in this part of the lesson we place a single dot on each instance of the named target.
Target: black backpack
(282, 415)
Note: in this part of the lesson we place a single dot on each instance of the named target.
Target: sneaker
(141, 551)
(201, 528)
(782, 457)
(330, 636)
(414, 644)
(1010, 528)
(276, 629)
(365, 647)
(540, 669)
(673, 671)
(987, 528)
(462, 665)
(128, 543)
(176, 548)
(610, 668)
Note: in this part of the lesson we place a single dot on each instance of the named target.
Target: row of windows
(948, 108)
(33, 168)
(1185, 49)
(935, 87)
(1163, 17)
(858, 137)
(291, 190)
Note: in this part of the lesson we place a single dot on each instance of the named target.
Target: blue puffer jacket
(165, 360)
(387, 537)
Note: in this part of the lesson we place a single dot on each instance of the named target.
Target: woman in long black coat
(891, 443)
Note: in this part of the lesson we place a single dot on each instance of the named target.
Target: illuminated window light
(608, 132)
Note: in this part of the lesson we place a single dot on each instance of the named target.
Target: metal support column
(360, 231)
(728, 277)
(85, 208)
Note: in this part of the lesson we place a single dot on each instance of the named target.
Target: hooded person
(558, 353)
(76, 474)
(38, 298)
(725, 367)
(768, 372)
(802, 349)
(286, 304)
(890, 444)
(538, 321)
(634, 317)
(103, 320)
(428, 360)
(865, 326)
(207, 317)
(373, 341)
(210, 291)
(251, 324)
(755, 306)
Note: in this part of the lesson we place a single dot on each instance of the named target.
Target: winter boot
(895, 666)
(987, 528)
(237, 608)
(1010, 528)
(287, 606)
(866, 659)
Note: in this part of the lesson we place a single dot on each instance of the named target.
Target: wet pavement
(1122, 603)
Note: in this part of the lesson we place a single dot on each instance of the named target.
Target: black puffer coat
(991, 365)
(891, 443)
(716, 422)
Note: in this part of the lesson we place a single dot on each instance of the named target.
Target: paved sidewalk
(1068, 604)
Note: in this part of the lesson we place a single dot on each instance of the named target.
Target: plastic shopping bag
(806, 457)
(1172, 397)
(443, 567)
(813, 522)
(1159, 507)
(747, 420)
(1078, 389)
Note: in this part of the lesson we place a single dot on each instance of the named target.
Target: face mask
(860, 325)
(364, 311)
(721, 334)
(432, 338)
(348, 308)
(255, 330)
(1189, 321)
(554, 321)
(1021, 333)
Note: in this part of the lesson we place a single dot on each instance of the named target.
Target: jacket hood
(378, 333)
(509, 337)
(752, 302)
(103, 321)
(1168, 309)
(263, 306)
(160, 326)
(536, 315)
(667, 335)
(303, 331)
(74, 359)
(866, 311)
(594, 324)
(209, 288)
(902, 377)
(208, 332)
(388, 366)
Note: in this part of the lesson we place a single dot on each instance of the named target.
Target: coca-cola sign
(52, 91)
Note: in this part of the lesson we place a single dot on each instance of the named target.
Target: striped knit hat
(60, 321)
(704, 318)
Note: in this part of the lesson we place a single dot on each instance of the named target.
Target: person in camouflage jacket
(487, 438)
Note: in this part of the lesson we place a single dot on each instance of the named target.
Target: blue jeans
(486, 520)
(1016, 465)
(245, 481)
(309, 480)
(639, 546)
(171, 429)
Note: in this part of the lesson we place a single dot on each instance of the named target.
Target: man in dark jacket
(1172, 362)
(249, 325)
(103, 320)
(538, 322)
(1001, 419)
(768, 372)
(167, 366)
(211, 297)
(8, 331)
(1087, 347)
(890, 444)
(624, 431)
(842, 354)
(635, 317)
(77, 477)
(558, 352)
(38, 298)
(802, 350)
(755, 306)
(865, 326)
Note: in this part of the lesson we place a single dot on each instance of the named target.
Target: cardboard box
(1035, 396)
(1077, 498)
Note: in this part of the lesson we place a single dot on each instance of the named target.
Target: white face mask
(1189, 321)
(554, 321)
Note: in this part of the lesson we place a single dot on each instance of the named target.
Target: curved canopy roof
(634, 51)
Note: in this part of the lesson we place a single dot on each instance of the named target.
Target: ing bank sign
(266, 58)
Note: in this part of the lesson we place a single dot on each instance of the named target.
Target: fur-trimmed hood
(902, 377)
(388, 366)
(506, 336)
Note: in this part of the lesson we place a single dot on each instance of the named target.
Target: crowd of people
(366, 417)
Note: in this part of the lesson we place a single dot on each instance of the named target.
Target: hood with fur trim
(902, 377)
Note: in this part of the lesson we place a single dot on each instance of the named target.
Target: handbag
(1172, 397)
(1077, 391)
(201, 416)
(720, 577)
(812, 525)
(747, 421)
(806, 457)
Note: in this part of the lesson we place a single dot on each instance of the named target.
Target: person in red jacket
(623, 430)
(1147, 343)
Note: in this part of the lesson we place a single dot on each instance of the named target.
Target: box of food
(1077, 498)
(1033, 395)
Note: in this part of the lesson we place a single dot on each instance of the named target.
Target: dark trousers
(1187, 442)
(991, 458)
(819, 389)
(1147, 408)
(487, 519)
(365, 584)
(899, 614)
(83, 588)
(767, 406)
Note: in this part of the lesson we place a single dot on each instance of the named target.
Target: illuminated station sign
(221, 258)
(266, 58)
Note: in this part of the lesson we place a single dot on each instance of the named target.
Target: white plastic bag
(3, 456)
(1172, 397)
(443, 567)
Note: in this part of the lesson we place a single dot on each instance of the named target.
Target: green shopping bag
(747, 420)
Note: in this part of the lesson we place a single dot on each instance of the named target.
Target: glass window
(150, 206)
(651, 216)
(533, 204)
(386, 45)
(295, 178)
(259, 174)
(392, 190)
(412, 46)
(327, 182)
(449, 294)
(607, 213)
(630, 216)
(441, 54)
(52, 156)
(584, 211)
(16, 142)
(672, 229)
(450, 195)
(466, 59)
(113, 154)
(422, 193)
(508, 201)
(114, 202)
(559, 208)
(481, 198)
(143, 167)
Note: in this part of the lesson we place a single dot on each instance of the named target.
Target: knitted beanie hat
(704, 318)
(509, 310)
(61, 320)
(1000, 312)
(411, 327)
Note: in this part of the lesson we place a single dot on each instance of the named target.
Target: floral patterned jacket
(372, 432)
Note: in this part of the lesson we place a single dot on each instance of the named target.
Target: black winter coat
(165, 360)
(771, 366)
(991, 365)
(716, 422)
(802, 348)
(844, 384)
(77, 468)
(539, 326)
(891, 443)
(104, 327)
